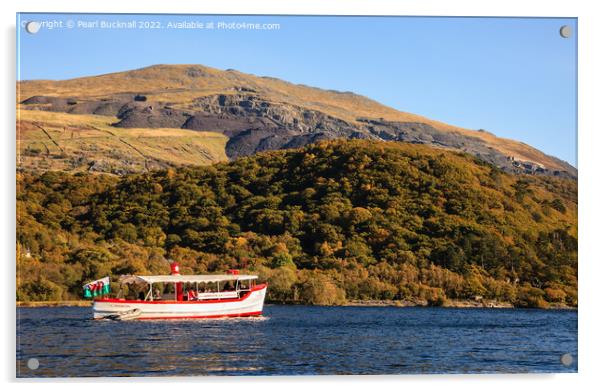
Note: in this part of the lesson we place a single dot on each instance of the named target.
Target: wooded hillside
(330, 222)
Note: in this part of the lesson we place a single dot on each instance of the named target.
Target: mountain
(254, 113)
(329, 222)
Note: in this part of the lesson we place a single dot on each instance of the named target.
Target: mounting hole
(566, 359)
(32, 27)
(566, 31)
(33, 363)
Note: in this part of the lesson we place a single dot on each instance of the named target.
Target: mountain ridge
(265, 113)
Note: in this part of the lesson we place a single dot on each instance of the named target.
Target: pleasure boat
(178, 296)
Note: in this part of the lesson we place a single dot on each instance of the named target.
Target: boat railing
(198, 295)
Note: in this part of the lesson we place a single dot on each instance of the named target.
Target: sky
(514, 77)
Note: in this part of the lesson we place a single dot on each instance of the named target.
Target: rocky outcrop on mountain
(254, 124)
(420, 133)
(74, 106)
(149, 115)
(279, 115)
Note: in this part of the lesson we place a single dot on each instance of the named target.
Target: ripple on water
(299, 340)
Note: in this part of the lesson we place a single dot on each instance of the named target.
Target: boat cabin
(178, 288)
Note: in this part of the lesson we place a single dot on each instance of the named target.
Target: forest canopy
(330, 222)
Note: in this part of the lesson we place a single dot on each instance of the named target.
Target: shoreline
(449, 303)
(61, 303)
(351, 303)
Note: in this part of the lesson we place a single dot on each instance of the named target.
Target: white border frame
(590, 28)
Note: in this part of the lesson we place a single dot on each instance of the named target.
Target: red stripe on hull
(242, 315)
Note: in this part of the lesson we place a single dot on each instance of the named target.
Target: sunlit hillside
(72, 142)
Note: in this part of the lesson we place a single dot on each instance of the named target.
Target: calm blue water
(299, 340)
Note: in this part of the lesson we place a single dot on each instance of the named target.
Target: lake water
(299, 340)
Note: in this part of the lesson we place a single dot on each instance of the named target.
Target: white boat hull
(249, 305)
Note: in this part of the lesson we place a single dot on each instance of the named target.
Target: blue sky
(515, 77)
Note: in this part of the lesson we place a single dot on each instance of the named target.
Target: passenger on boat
(157, 294)
(192, 295)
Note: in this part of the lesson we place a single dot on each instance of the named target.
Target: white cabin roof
(128, 279)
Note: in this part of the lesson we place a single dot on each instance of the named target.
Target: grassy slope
(179, 84)
(59, 141)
